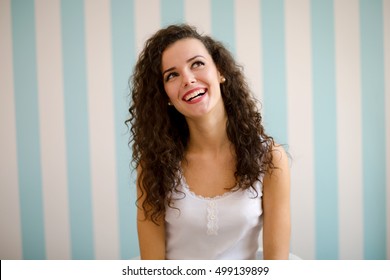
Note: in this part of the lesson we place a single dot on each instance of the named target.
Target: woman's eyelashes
(197, 64)
(170, 76)
(194, 65)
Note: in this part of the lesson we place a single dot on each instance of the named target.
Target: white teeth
(195, 93)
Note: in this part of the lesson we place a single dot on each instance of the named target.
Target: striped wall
(321, 69)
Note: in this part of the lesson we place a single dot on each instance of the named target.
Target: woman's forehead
(183, 50)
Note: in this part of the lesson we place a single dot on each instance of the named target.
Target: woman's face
(191, 79)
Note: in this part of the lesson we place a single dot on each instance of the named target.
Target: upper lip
(192, 91)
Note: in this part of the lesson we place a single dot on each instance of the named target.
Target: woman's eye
(197, 64)
(170, 76)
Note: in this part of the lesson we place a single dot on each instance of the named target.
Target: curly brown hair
(160, 133)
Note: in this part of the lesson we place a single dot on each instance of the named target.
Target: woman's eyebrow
(196, 56)
(188, 60)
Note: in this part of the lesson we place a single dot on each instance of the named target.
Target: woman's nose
(188, 78)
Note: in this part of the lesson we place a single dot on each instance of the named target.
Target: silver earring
(169, 104)
(223, 80)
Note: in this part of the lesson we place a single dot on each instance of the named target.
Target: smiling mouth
(194, 95)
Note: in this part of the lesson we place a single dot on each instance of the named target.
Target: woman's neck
(208, 134)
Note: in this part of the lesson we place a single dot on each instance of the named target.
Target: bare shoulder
(280, 157)
(276, 183)
(281, 164)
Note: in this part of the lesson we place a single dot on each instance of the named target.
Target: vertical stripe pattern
(386, 34)
(299, 99)
(274, 69)
(27, 129)
(373, 128)
(10, 235)
(248, 29)
(319, 68)
(123, 56)
(52, 132)
(147, 15)
(101, 128)
(77, 130)
(325, 119)
(349, 131)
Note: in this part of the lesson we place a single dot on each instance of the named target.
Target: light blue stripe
(76, 126)
(123, 53)
(172, 12)
(274, 69)
(222, 23)
(325, 130)
(27, 129)
(373, 130)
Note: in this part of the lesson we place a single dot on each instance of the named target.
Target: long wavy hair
(159, 133)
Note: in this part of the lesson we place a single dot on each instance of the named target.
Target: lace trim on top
(212, 218)
(187, 187)
(212, 207)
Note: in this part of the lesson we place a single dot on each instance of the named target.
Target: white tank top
(222, 227)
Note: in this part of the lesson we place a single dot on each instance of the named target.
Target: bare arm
(276, 207)
(151, 236)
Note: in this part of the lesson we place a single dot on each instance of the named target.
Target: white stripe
(300, 126)
(52, 129)
(248, 43)
(349, 128)
(10, 233)
(147, 20)
(386, 34)
(101, 128)
(198, 13)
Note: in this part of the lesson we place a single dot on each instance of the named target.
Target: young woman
(208, 176)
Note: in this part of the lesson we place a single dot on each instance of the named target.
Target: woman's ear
(221, 78)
